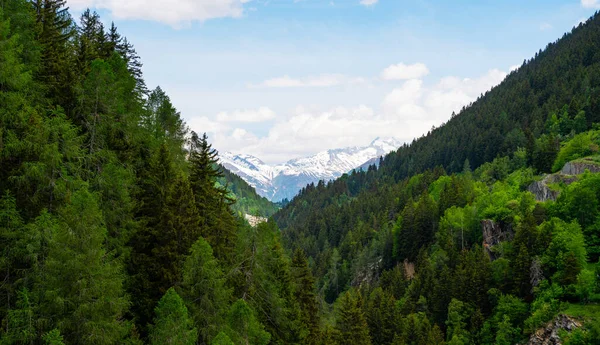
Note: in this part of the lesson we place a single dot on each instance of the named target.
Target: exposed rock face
(578, 168)
(541, 191)
(493, 234)
(368, 275)
(549, 334)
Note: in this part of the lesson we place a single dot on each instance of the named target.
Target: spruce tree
(350, 321)
(203, 288)
(222, 339)
(54, 30)
(306, 297)
(172, 324)
(168, 227)
(244, 328)
(217, 222)
(81, 284)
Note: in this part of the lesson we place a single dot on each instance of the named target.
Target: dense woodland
(401, 245)
(118, 226)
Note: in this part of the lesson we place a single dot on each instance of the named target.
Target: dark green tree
(350, 321)
(172, 324)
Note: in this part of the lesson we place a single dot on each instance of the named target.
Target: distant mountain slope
(284, 181)
(248, 202)
(543, 102)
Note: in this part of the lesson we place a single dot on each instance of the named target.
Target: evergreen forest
(119, 226)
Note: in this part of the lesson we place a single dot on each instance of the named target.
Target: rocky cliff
(548, 335)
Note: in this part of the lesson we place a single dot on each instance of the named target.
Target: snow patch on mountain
(284, 181)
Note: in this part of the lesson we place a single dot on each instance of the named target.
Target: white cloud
(403, 72)
(254, 115)
(513, 68)
(405, 112)
(173, 12)
(545, 26)
(323, 80)
(590, 3)
(368, 2)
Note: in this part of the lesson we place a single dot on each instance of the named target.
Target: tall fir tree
(217, 222)
(305, 294)
(204, 290)
(172, 325)
(350, 321)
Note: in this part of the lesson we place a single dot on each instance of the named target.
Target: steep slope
(523, 120)
(247, 201)
(563, 78)
(283, 181)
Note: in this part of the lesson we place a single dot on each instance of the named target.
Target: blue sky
(281, 79)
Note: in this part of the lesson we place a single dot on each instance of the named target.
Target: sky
(281, 79)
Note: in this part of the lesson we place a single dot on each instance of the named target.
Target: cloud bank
(172, 12)
(406, 111)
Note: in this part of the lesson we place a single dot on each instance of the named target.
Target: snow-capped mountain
(278, 182)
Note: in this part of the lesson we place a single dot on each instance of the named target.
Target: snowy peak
(284, 181)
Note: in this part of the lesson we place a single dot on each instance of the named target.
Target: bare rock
(541, 189)
(493, 234)
(579, 167)
(548, 335)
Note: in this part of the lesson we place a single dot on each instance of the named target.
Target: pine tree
(203, 288)
(244, 328)
(216, 219)
(306, 297)
(54, 30)
(167, 230)
(171, 322)
(381, 316)
(53, 338)
(20, 325)
(91, 40)
(81, 283)
(222, 339)
(11, 252)
(350, 320)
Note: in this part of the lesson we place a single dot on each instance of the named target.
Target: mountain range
(284, 181)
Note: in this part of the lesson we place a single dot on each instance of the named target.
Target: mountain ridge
(284, 181)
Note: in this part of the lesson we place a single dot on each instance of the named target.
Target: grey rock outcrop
(548, 335)
(541, 191)
(578, 168)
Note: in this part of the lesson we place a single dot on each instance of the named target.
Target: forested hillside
(117, 225)
(247, 201)
(113, 226)
(445, 242)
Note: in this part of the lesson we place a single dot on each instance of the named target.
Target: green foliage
(545, 307)
(222, 339)
(53, 338)
(81, 284)
(247, 201)
(97, 174)
(244, 328)
(350, 321)
(586, 285)
(172, 324)
(204, 290)
(566, 253)
(216, 219)
(581, 145)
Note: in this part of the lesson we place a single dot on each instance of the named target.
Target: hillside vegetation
(118, 227)
(425, 209)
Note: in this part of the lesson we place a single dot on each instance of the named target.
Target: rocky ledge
(549, 334)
